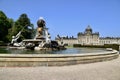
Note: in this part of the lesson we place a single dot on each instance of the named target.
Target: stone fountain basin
(35, 60)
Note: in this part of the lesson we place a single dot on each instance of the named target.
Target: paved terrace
(108, 70)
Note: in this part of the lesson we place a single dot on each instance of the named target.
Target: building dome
(88, 29)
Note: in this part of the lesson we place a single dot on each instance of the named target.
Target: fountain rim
(24, 60)
(58, 55)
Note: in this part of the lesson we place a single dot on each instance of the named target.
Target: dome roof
(88, 29)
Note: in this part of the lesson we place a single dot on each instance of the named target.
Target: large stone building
(88, 37)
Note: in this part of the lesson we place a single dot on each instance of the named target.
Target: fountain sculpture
(41, 41)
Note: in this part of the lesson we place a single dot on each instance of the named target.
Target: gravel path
(109, 70)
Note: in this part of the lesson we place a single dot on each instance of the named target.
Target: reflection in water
(67, 51)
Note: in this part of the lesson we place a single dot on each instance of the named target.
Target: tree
(9, 27)
(4, 26)
(23, 23)
(24, 20)
(10, 32)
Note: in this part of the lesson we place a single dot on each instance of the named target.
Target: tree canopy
(9, 27)
(4, 26)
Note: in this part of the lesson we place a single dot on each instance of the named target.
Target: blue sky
(68, 17)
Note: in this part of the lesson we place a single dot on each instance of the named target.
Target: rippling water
(4, 50)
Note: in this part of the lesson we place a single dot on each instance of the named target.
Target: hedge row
(113, 46)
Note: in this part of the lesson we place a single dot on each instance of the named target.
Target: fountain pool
(5, 50)
(70, 56)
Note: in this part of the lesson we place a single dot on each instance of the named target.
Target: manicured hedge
(113, 46)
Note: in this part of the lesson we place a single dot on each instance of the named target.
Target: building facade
(88, 37)
(109, 40)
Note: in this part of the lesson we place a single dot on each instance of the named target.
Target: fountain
(41, 41)
(58, 55)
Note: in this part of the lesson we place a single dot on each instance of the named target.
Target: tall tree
(23, 23)
(9, 28)
(10, 32)
(4, 26)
